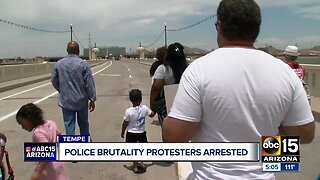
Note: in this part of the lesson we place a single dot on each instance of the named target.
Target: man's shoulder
(61, 60)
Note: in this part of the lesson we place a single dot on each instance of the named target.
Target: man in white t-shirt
(237, 94)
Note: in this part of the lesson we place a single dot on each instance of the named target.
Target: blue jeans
(69, 117)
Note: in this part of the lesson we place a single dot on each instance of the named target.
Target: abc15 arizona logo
(280, 149)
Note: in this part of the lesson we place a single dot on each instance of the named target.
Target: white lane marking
(46, 97)
(126, 66)
(102, 69)
(37, 87)
(128, 70)
(24, 91)
(112, 75)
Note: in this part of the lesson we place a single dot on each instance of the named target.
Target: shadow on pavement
(156, 122)
(130, 168)
(163, 163)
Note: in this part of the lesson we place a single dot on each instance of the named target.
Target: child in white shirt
(134, 123)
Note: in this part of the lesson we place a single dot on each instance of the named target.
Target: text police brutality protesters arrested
(219, 102)
(72, 78)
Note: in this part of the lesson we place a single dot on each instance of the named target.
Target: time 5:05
(271, 167)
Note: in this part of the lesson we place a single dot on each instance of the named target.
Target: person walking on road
(166, 74)
(291, 55)
(237, 94)
(3, 141)
(72, 78)
(161, 54)
(30, 117)
(134, 124)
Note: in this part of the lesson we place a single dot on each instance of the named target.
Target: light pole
(165, 34)
(71, 31)
(140, 49)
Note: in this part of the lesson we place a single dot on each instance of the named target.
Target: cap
(291, 51)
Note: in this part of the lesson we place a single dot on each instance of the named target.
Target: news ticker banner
(275, 151)
(218, 152)
(77, 148)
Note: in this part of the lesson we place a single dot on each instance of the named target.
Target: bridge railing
(312, 75)
(13, 72)
(312, 78)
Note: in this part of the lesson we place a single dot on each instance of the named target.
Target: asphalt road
(113, 81)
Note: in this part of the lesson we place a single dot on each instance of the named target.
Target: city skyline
(126, 23)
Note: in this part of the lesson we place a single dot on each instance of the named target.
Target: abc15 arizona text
(280, 149)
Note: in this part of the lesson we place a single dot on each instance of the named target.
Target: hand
(151, 107)
(35, 176)
(92, 106)
(122, 135)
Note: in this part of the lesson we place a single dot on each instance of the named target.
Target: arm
(299, 120)
(55, 78)
(305, 132)
(157, 84)
(183, 121)
(39, 137)
(124, 127)
(149, 112)
(177, 130)
(156, 89)
(125, 123)
(90, 86)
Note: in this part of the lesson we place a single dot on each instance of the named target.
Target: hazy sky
(126, 22)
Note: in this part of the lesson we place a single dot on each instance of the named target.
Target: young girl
(30, 117)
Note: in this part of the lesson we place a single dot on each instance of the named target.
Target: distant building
(106, 51)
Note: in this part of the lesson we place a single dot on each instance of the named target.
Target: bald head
(3, 137)
(73, 48)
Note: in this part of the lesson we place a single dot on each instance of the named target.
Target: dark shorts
(136, 137)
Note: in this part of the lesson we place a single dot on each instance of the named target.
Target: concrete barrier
(13, 72)
(312, 75)
(313, 78)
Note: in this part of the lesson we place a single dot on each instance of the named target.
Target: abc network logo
(277, 145)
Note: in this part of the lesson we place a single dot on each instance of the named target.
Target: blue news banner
(48, 151)
(73, 139)
(77, 148)
(40, 152)
(281, 167)
(290, 167)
